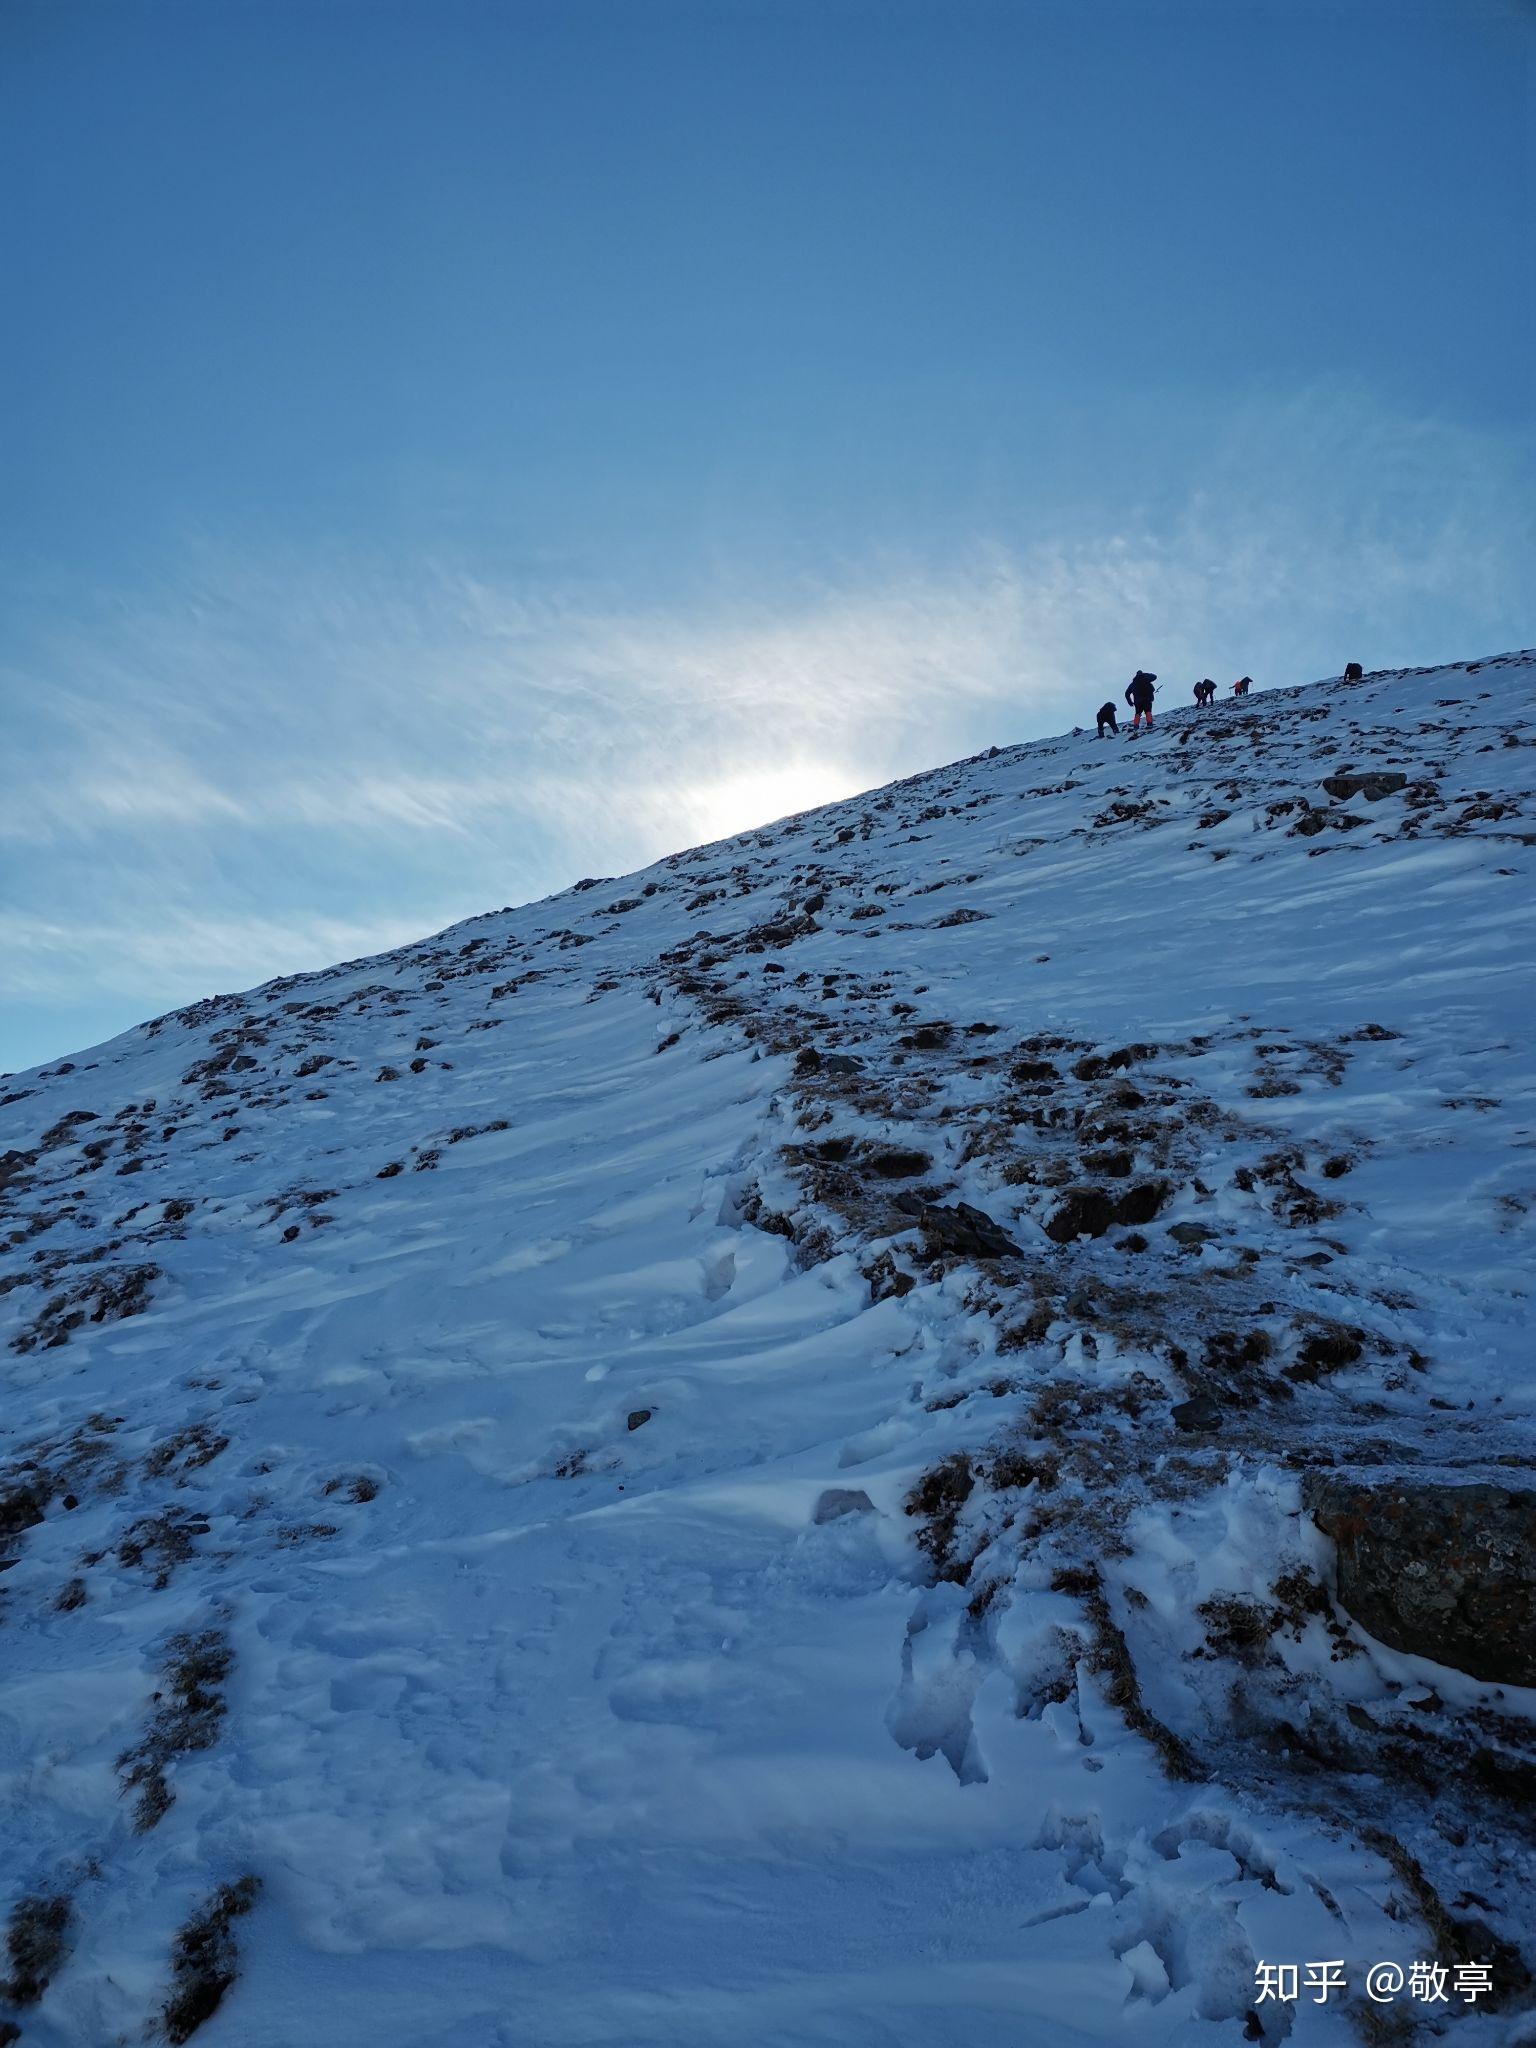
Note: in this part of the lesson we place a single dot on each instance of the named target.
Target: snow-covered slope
(589, 1482)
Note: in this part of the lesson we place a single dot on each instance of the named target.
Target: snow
(565, 1706)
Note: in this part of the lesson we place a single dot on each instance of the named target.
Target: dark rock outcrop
(966, 1232)
(1192, 1235)
(1371, 783)
(1444, 1572)
(1081, 1212)
(14, 1164)
(1199, 1412)
(1142, 1202)
(20, 1508)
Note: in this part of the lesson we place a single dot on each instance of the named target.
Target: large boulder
(1371, 783)
(965, 1232)
(1444, 1572)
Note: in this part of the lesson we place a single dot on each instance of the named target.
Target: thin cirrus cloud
(53, 957)
(258, 768)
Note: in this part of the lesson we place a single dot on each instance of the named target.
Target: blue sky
(454, 448)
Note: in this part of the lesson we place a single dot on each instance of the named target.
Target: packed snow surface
(517, 1447)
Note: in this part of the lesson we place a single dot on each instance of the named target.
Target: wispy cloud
(261, 765)
(54, 957)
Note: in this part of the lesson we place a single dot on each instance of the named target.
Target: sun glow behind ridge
(737, 803)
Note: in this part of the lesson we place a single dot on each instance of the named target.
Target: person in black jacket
(1205, 692)
(1139, 696)
(1107, 722)
(1353, 672)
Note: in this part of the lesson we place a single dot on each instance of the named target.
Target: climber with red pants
(1139, 696)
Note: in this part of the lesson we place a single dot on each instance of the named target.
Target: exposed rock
(14, 1164)
(20, 1508)
(782, 931)
(1199, 1412)
(1444, 1572)
(1142, 1202)
(838, 1501)
(810, 1060)
(638, 1417)
(927, 1037)
(1082, 1212)
(1191, 1235)
(969, 1233)
(1373, 784)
